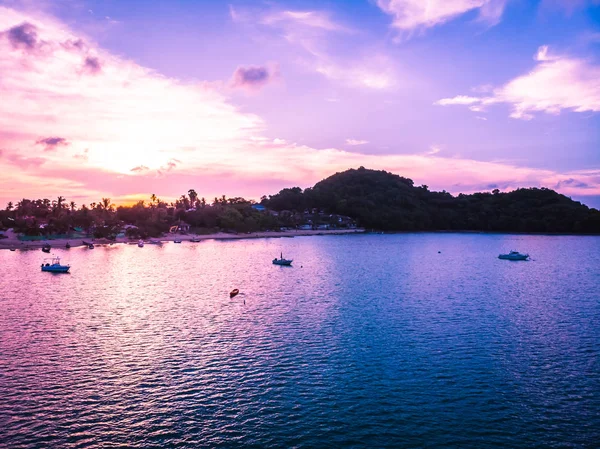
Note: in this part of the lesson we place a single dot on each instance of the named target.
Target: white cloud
(556, 83)
(355, 142)
(481, 118)
(434, 149)
(414, 14)
(459, 99)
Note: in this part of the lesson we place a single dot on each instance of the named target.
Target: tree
(73, 205)
(9, 206)
(193, 197)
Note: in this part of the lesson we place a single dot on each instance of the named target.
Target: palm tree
(193, 196)
(73, 205)
(105, 203)
(153, 198)
(9, 206)
(59, 202)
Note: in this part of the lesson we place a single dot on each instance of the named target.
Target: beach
(12, 241)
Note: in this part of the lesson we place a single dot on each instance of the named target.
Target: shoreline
(12, 242)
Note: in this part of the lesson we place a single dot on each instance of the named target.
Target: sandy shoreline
(12, 242)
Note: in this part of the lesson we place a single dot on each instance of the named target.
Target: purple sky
(128, 98)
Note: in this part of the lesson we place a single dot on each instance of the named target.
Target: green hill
(384, 201)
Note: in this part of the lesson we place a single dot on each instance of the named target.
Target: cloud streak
(411, 15)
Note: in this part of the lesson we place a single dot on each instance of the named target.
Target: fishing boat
(176, 241)
(53, 265)
(141, 243)
(514, 255)
(233, 292)
(282, 261)
(46, 248)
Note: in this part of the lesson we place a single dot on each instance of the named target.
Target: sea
(423, 340)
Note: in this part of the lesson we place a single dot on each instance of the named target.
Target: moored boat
(46, 248)
(282, 261)
(68, 245)
(233, 292)
(513, 255)
(141, 243)
(53, 265)
(176, 241)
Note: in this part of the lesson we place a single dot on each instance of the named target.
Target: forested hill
(384, 201)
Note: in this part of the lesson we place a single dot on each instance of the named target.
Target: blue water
(367, 341)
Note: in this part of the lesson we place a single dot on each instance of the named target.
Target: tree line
(374, 199)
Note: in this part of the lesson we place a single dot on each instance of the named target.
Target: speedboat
(514, 255)
(282, 261)
(53, 265)
(141, 243)
(46, 248)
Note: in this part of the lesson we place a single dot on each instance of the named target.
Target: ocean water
(374, 341)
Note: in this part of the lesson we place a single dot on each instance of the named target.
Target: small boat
(195, 240)
(46, 248)
(155, 242)
(141, 243)
(68, 245)
(282, 261)
(90, 246)
(13, 249)
(86, 243)
(53, 266)
(514, 255)
(176, 241)
(233, 292)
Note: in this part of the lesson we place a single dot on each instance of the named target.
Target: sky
(126, 98)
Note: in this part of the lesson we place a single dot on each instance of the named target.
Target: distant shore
(13, 242)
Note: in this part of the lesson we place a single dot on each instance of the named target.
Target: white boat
(53, 265)
(282, 261)
(141, 243)
(513, 255)
(176, 241)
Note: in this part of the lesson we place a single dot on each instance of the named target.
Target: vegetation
(373, 199)
(384, 201)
